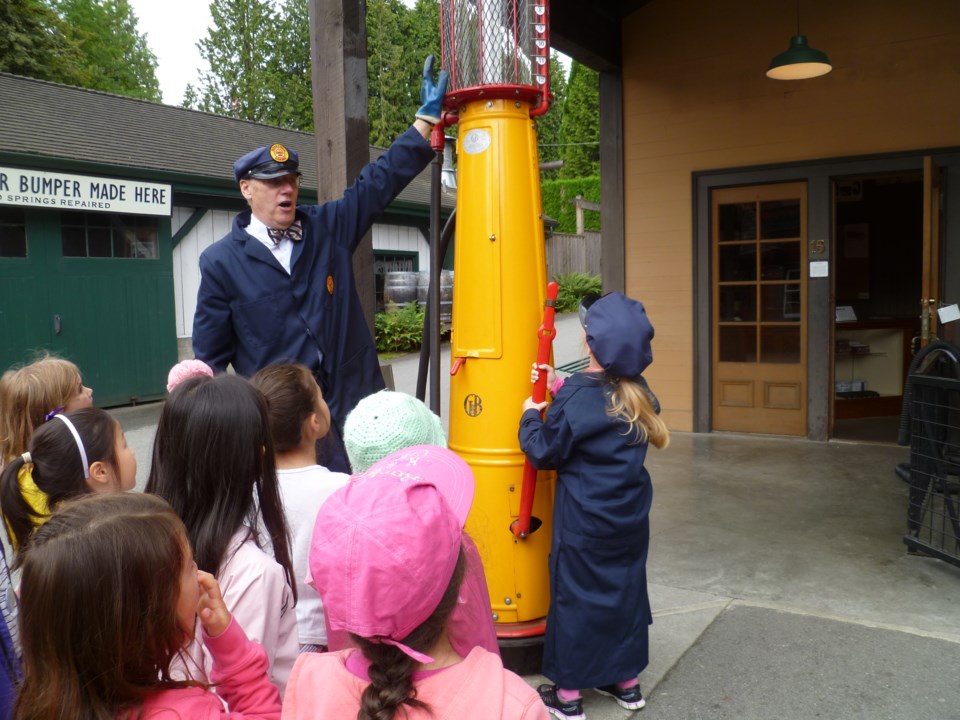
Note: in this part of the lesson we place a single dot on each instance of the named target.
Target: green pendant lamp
(800, 61)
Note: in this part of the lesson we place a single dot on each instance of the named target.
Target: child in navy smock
(595, 434)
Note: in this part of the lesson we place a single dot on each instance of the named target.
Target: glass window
(737, 221)
(780, 261)
(13, 232)
(780, 344)
(101, 235)
(781, 302)
(738, 343)
(779, 219)
(738, 263)
(738, 303)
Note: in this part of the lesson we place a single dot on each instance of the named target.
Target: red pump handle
(547, 332)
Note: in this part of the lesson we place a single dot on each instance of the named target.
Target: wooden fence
(573, 253)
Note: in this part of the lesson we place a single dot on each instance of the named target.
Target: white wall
(217, 223)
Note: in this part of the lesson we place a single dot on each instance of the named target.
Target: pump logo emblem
(473, 405)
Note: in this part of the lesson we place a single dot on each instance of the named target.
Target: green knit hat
(385, 422)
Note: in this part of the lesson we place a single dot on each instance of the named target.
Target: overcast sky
(173, 28)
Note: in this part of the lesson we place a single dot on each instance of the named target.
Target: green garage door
(95, 288)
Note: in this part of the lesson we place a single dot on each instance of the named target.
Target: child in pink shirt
(110, 595)
(385, 422)
(387, 559)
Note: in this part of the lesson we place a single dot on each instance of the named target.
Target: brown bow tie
(294, 233)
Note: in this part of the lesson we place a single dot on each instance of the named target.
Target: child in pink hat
(386, 558)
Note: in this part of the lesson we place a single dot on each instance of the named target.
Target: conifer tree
(580, 126)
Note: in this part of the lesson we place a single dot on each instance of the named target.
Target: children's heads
(297, 410)
(98, 620)
(619, 334)
(213, 461)
(186, 369)
(33, 394)
(71, 454)
(385, 546)
(385, 422)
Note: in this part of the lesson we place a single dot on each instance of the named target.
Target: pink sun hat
(386, 544)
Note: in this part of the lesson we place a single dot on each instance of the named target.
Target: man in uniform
(280, 286)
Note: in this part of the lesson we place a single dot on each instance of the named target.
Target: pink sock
(567, 695)
(627, 684)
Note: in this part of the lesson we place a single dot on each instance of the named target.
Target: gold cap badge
(279, 153)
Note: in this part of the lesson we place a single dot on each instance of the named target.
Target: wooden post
(338, 53)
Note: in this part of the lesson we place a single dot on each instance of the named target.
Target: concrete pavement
(779, 582)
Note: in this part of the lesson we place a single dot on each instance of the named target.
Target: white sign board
(60, 191)
(819, 268)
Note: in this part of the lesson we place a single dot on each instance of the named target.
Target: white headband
(76, 436)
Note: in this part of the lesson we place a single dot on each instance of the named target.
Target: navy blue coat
(251, 313)
(597, 627)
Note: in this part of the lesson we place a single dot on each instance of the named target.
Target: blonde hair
(630, 401)
(27, 395)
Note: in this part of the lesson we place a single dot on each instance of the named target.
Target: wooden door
(930, 279)
(759, 326)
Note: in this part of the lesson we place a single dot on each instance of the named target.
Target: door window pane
(780, 261)
(779, 219)
(780, 344)
(738, 263)
(738, 303)
(13, 233)
(737, 222)
(781, 303)
(738, 344)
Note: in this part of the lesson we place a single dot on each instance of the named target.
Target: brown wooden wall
(696, 98)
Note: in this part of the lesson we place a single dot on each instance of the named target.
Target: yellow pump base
(498, 295)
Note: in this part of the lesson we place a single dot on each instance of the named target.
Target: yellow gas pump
(497, 55)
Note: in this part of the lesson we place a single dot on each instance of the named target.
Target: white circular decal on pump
(476, 141)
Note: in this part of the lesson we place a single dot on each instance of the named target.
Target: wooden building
(105, 205)
(753, 215)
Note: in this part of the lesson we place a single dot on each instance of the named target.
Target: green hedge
(558, 196)
(401, 331)
(573, 287)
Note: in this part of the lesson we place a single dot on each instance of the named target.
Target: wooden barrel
(399, 288)
(446, 293)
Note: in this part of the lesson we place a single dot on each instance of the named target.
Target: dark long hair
(98, 620)
(291, 393)
(213, 461)
(391, 670)
(57, 468)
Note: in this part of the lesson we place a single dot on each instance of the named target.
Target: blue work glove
(431, 95)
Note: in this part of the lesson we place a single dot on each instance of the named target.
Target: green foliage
(581, 124)
(34, 43)
(260, 70)
(573, 287)
(549, 138)
(389, 84)
(290, 70)
(114, 56)
(88, 43)
(239, 47)
(401, 331)
(558, 196)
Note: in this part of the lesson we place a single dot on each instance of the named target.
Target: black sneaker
(630, 699)
(559, 709)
